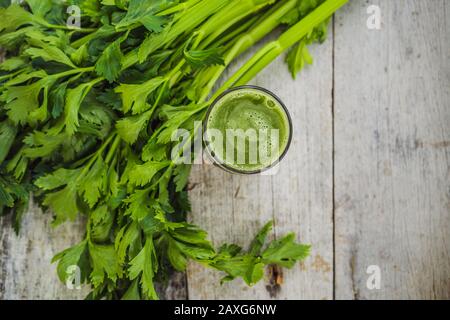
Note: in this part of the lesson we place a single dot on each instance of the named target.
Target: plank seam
(333, 154)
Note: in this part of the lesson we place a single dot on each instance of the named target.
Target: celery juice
(248, 130)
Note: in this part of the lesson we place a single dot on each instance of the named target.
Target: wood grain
(299, 197)
(380, 99)
(25, 268)
(392, 149)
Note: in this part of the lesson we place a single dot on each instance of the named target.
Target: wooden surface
(366, 181)
(392, 151)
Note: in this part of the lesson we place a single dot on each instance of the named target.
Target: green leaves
(57, 179)
(13, 195)
(80, 55)
(12, 64)
(140, 11)
(104, 263)
(100, 260)
(76, 256)
(94, 183)
(193, 245)
(74, 98)
(285, 252)
(40, 7)
(134, 96)
(40, 144)
(6, 196)
(250, 266)
(130, 127)
(188, 241)
(153, 23)
(306, 6)
(140, 205)
(101, 222)
(73, 101)
(260, 239)
(175, 118)
(126, 238)
(22, 102)
(297, 58)
(182, 24)
(133, 292)
(63, 203)
(176, 256)
(14, 17)
(204, 58)
(57, 99)
(181, 176)
(90, 184)
(110, 62)
(143, 174)
(7, 134)
(50, 53)
(145, 266)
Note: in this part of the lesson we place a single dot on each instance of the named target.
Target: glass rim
(228, 168)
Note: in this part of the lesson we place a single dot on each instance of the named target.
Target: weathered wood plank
(233, 208)
(392, 144)
(25, 268)
(392, 190)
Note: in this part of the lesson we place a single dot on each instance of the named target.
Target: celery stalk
(246, 41)
(273, 49)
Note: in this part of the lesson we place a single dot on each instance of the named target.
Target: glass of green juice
(247, 130)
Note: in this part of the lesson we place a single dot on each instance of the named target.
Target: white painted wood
(233, 208)
(392, 144)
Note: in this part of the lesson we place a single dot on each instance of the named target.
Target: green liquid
(258, 120)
